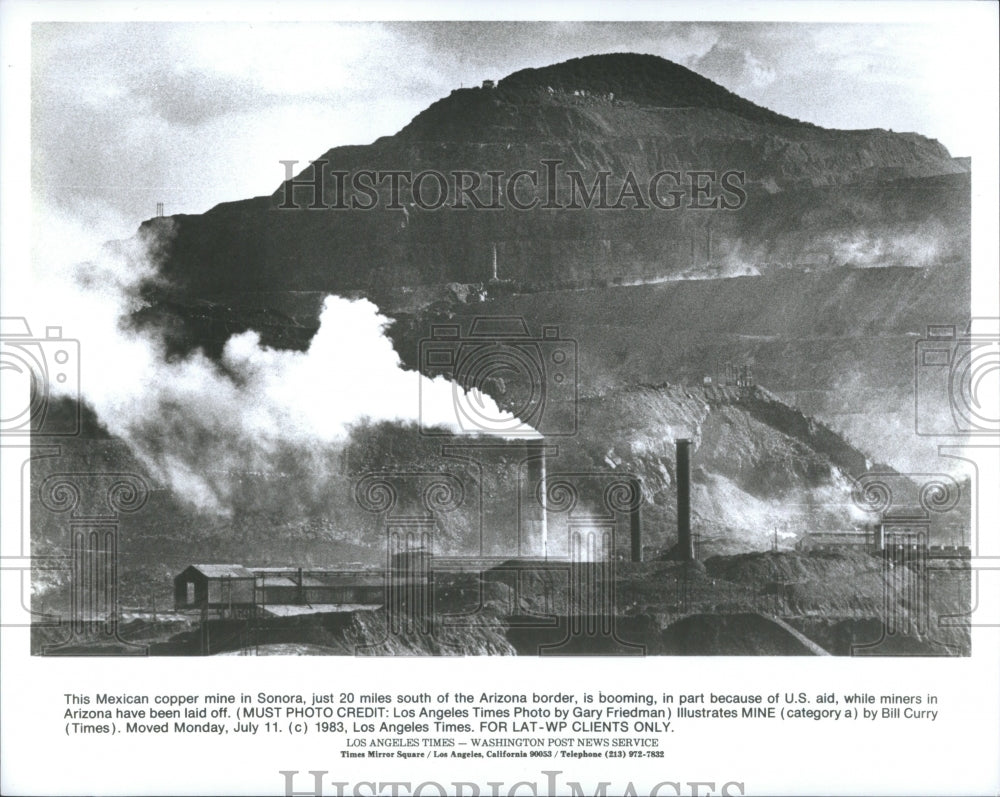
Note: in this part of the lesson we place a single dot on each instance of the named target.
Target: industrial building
(235, 591)
(214, 588)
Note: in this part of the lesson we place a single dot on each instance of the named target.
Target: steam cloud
(201, 426)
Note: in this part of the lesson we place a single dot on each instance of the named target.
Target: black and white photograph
(592, 400)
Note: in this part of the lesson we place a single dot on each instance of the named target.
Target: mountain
(842, 248)
(848, 245)
(631, 79)
(796, 193)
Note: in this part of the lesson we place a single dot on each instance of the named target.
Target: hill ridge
(642, 78)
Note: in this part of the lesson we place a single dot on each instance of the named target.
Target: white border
(958, 755)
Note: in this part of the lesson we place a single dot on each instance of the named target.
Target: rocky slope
(849, 244)
(812, 196)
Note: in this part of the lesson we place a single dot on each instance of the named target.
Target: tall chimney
(536, 520)
(635, 525)
(685, 545)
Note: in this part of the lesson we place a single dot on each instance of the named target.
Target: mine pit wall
(767, 408)
(922, 222)
(838, 344)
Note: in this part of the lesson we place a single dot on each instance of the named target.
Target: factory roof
(222, 571)
(294, 610)
(353, 579)
(317, 572)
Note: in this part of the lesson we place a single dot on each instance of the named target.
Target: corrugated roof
(223, 571)
(345, 580)
(316, 571)
(277, 581)
(286, 610)
(350, 580)
(288, 577)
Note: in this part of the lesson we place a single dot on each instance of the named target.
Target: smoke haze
(200, 426)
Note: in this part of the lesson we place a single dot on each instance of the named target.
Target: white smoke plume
(200, 425)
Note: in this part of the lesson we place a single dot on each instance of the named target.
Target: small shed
(218, 586)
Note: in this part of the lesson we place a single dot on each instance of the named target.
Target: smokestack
(879, 535)
(635, 526)
(685, 545)
(536, 520)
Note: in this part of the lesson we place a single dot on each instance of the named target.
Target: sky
(125, 115)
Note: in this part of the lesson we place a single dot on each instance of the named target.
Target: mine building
(236, 591)
(841, 540)
(214, 587)
(291, 585)
(949, 552)
(881, 539)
